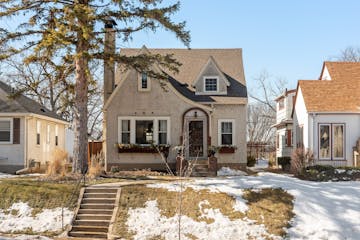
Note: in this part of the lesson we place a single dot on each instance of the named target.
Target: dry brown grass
(271, 207)
(275, 205)
(56, 165)
(96, 165)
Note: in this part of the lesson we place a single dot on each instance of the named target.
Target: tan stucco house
(202, 106)
(29, 132)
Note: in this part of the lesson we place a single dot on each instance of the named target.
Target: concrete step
(101, 190)
(81, 228)
(97, 206)
(88, 235)
(103, 223)
(96, 211)
(201, 167)
(98, 200)
(93, 217)
(99, 195)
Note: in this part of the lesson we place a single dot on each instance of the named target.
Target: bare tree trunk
(81, 97)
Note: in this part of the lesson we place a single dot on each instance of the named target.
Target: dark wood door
(196, 139)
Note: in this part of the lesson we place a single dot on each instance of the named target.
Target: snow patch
(47, 220)
(147, 222)
(323, 210)
(226, 171)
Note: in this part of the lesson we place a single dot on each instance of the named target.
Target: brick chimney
(109, 65)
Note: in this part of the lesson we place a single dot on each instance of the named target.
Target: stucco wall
(43, 152)
(211, 71)
(12, 155)
(162, 103)
(231, 112)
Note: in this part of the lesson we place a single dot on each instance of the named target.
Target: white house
(326, 114)
(29, 132)
(284, 123)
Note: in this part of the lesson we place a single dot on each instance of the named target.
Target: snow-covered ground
(5, 175)
(323, 210)
(148, 223)
(226, 171)
(19, 217)
(262, 163)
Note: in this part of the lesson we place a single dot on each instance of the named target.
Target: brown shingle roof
(21, 104)
(193, 60)
(341, 94)
(344, 71)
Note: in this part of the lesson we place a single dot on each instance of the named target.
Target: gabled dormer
(211, 80)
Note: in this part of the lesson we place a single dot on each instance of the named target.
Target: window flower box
(136, 148)
(227, 149)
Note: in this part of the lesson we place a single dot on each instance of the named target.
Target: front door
(196, 139)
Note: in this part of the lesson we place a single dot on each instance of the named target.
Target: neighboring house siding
(301, 119)
(12, 155)
(352, 133)
(43, 152)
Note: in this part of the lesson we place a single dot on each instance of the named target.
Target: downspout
(313, 115)
(26, 162)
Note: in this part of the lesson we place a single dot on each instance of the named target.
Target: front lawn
(268, 213)
(266, 206)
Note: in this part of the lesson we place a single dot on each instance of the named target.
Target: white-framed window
(143, 82)
(144, 130)
(324, 141)
(226, 130)
(38, 131)
(125, 131)
(338, 141)
(6, 126)
(331, 141)
(48, 132)
(56, 135)
(211, 84)
(162, 132)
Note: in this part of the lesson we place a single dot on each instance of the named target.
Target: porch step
(87, 222)
(100, 190)
(98, 229)
(98, 200)
(96, 206)
(88, 235)
(93, 217)
(95, 211)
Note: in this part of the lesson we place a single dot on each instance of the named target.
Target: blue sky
(288, 39)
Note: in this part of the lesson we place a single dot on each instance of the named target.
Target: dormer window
(143, 82)
(211, 84)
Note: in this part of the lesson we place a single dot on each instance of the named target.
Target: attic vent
(43, 110)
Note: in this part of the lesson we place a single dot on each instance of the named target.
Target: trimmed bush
(251, 161)
(284, 162)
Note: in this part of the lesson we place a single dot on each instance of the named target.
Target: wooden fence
(94, 147)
